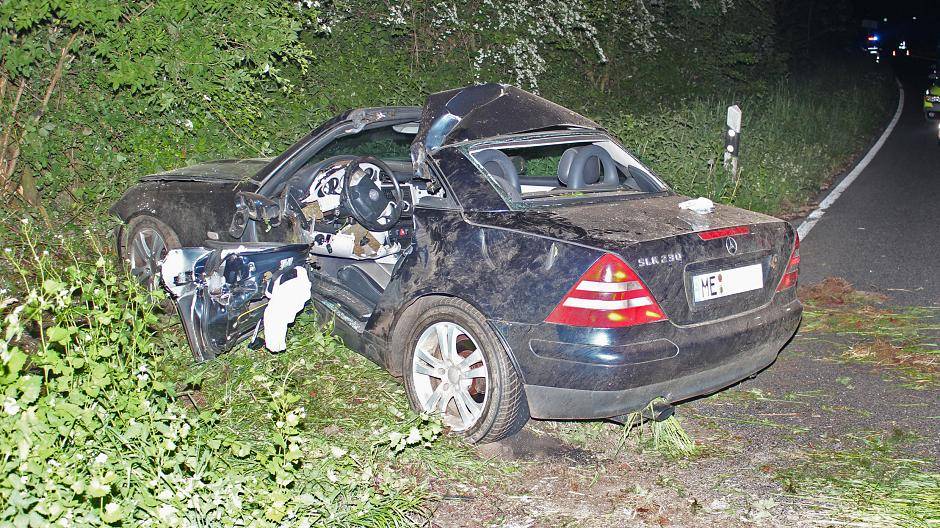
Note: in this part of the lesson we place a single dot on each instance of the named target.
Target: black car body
(579, 293)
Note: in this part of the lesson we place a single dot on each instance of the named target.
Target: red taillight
(722, 233)
(608, 295)
(793, 267)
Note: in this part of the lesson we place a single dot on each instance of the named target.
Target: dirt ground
(817, 398)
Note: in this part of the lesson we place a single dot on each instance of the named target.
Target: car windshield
(384, 142)
(552, 169)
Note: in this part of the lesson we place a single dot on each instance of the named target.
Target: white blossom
(167, 514)
(10, 406)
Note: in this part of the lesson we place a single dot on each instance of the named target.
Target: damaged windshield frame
(281, 168)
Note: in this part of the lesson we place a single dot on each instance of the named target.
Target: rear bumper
(579, 373)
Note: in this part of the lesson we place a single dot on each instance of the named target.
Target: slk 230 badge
(659, 259)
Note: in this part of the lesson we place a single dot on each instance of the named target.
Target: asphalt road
(883, 233)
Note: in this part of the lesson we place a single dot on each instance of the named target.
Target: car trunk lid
(666, 248)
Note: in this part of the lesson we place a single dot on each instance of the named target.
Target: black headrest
(500, 166)
(564, 165)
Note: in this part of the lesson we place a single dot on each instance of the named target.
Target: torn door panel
(222, 292)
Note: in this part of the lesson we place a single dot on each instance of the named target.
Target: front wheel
(145, 241)
(456, 367)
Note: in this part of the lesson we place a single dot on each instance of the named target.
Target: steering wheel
(366, 201)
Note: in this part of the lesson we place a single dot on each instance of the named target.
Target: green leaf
(57, 334)
(52, 286)
(112, 513)
(31, 387)
(15, 363)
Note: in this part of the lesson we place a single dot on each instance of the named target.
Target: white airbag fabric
(287, 298)
(699, 205)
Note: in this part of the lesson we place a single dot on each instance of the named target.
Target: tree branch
(4, 173)
(3, 86)
(8, 167)
(56, 75)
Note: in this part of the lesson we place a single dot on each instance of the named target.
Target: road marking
(831, 198)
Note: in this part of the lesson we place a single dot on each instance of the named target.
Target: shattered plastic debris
(287, 299)
(699, 205)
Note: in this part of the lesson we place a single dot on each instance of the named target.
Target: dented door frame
(222, 292)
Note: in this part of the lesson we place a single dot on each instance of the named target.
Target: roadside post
(732, 140)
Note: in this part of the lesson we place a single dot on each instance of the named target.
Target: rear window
(563, 169)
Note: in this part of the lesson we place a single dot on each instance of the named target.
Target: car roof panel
(488, 110)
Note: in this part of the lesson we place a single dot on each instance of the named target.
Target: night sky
(896, 8)
(922, 34)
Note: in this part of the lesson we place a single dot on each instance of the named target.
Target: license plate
(727, 282)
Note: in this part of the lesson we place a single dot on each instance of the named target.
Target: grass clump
(664, 436)
(95, 433)
(867, 487)
(901, 337)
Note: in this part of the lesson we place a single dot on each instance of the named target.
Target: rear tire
(471, 383)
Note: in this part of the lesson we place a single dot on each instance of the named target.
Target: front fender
(195, 210)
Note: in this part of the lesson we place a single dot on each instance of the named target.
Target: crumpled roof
(489, 110)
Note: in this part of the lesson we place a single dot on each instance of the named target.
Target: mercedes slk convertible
(504, 256)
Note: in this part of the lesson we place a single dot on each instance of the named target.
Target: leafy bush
(92, 88)
(94, 434)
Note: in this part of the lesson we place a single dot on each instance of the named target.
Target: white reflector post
(732, 139)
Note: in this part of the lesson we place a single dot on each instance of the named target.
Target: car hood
(489, 110)
(233, 170)
(615, 225)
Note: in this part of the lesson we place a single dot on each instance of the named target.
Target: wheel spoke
(429, 359)
(479, 372)
(144, 247)
(472, 359)
(427, 371)
(469, 409)
(157, 246)
(434, 399)
(447, 340)
(442, 404)
(137, 252)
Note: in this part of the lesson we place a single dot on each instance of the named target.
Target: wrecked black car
(505, 256)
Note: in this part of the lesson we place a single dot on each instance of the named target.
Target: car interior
(352, 203)
(558, 168)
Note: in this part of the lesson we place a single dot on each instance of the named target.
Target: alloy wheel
(450, 375)
(147, 249)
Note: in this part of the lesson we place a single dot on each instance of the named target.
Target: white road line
(831, 198)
